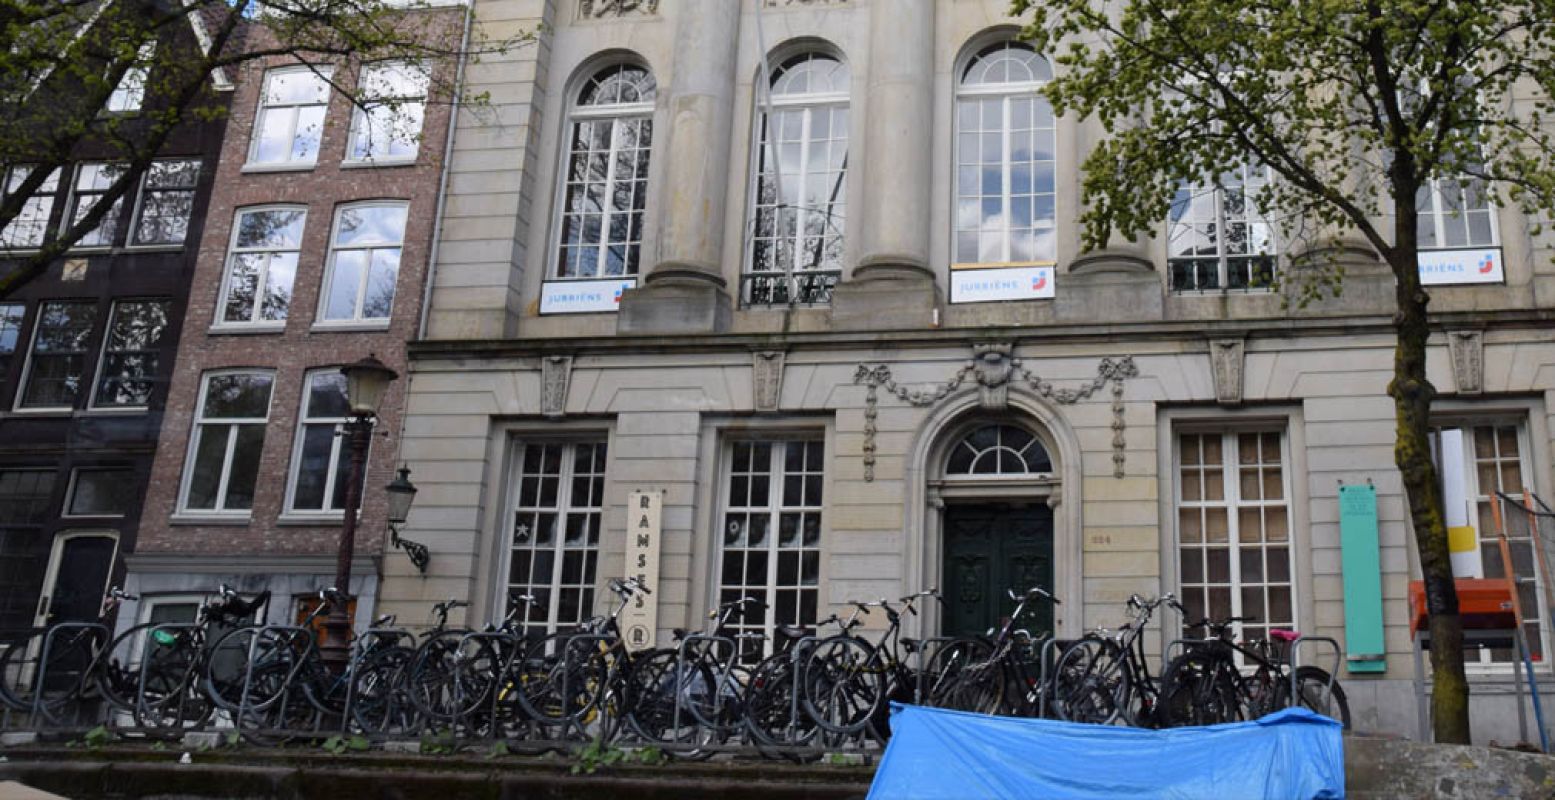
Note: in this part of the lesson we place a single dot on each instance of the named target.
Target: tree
(1355, 106)
(66, 59)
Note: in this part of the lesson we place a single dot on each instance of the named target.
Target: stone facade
(184, 553)
(889, 374)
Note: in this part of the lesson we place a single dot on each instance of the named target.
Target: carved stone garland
(994, 369)
(592, 9)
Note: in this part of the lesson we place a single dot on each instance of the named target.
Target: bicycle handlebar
(1035, 591)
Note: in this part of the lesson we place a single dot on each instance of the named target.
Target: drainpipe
(442, 181)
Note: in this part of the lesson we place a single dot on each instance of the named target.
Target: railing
(807, 287)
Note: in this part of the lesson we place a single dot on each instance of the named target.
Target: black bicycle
(1105, 677)
(1217, 680)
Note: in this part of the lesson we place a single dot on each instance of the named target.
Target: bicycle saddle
(910, 645)
(1284, 635)
(792, 632)
(238, 607)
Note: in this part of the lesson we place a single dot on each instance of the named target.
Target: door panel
(990, 549)
(79, 577)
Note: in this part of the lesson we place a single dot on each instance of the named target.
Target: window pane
(131, 353)
(59, 356)
(101, 492)
(313, 466)
(235, 396)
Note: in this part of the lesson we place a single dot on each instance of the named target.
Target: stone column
(893, 272)
(685, 290)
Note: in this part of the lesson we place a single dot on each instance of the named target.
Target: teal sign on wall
(1364, 646)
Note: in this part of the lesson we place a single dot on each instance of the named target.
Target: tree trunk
(1412, 395)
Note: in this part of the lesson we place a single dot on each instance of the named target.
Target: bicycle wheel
(1314, 691)
(435, 677)
(843, 685)
(380, 699)
(563, 678)
(774, 715)
(168, 685)
(249, 669)
(1090, 682)
(118, 673)
(1199, 687)
(942, 678)
(660, 693)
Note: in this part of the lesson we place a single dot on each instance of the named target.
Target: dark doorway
(81, 578)
(990, 548)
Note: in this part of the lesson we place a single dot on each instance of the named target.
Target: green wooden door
(988, 550)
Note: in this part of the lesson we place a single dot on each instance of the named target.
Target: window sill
(90, 517)
(187, 518)
(240, 330)
(368, 163)
(295, 520)
(43, 412)
(153, 248)
(348, 327)
(118, 412)
(1219, 292)
(252, 168)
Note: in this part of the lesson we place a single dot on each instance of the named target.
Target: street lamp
(366, 383)
(401, 493)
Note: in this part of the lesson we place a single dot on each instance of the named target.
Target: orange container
(1484, 603)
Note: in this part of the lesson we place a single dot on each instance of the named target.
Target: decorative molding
(596, 9)
(555, 375)
(994, 368)
(767, 379)
(776, 3)
(1226, 359)
(1467, 348)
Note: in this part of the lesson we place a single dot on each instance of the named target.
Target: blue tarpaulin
(952, 755)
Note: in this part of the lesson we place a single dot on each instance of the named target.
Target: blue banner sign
(993, 284)
(1449, 267)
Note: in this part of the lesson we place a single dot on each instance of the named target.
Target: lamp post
(366, 382)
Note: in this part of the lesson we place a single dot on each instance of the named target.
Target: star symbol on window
(521, 533)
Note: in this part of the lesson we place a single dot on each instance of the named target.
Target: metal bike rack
(569, 720)
(41, 677)
(141, 708)
(718, 685)
(497, 638)
(1292, 657)
(308, 643)
(921, 650)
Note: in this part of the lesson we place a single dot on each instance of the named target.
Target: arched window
(998, 450)
(799, 202)
(1004, 159)
(606, 175)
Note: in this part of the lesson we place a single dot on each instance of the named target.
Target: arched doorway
(995, 484)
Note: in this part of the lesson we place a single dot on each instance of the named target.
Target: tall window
(606, 180)
(91, 181)
(1474, 461)
(1217, 238)
(364, 263)
(100, 492)
(555, 533)
(31, 226)
(1455, 212)
(771, 541)
(132, 353)
(321, 460)
(229, 433)
(56, 373)
(166, 203)
(1233, 530)
(11, 316)
(801, 165)
(131, 91)
(1005, 192)
(394, 100)
(262, 265)
(290, 123)
(25, 505)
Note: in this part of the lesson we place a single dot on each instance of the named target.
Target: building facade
(315, 257)
(86, 357)
(812, 270)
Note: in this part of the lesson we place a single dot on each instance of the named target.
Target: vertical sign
(644, 515)
(1362, 563)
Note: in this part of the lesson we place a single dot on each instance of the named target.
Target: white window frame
(1233, 503)
(1217, 195)
(68, 219)
(191, 449)
(130, 94)
(32, 343)
(257, 321)
(337, 444)
(399, 101)
(324, 73)
(1479, 663)
(613, 113)
(70, 491)
(564, 506)
(773, 510)
(1439, 215)
(806, 103)
(102, 352)
(1005, 92)
(130, 242)
(357, 321)
(47, 194)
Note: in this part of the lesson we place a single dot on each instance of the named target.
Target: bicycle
(1204, 684)
(774, 719)
(174, 657)
(1102, 677)
(995, 675)
(50, 668)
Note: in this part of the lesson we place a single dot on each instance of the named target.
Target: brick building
(86, 355)
(315, 257)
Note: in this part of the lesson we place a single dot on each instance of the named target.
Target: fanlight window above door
(998, 450)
